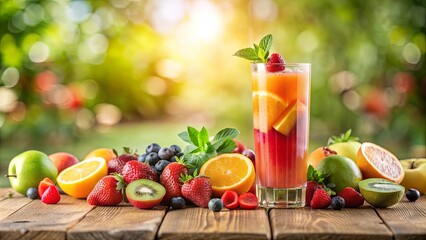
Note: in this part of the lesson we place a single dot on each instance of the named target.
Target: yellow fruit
(377, 162)
(104, 153)
(267, 107)
(415, 174)
(232, 171)
(79, 179)
(287, 120)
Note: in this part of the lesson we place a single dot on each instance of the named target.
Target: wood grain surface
(118, 222)
(306, 223)
(9, 205)
(407, 220)
(37, 220)
(201, 223)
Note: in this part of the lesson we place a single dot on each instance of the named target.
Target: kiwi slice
(381, 193)
(145, 193)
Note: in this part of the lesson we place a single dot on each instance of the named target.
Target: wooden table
(23, 218)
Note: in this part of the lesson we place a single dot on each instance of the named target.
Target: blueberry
(249, 153)
(337, 203)
(173, 159)
(165, 153)
(412, 194)
(153, 147)
(175, 148)
(215, 204)
(179, 154)
(142, 157)
(60, 190)
(32, 193)
(177, 203)
(152, 158)
(160, 165)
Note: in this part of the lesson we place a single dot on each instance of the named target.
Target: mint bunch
(201, 148)
(344, 137)
(259, 53)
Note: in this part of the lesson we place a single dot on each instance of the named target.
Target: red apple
(63, 160)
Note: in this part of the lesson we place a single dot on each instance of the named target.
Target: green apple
(415, 174)
(28, 168)
(345, 145)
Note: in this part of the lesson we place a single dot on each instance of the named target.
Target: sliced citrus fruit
(232, 171)
(287, 120)
(267, 107)
(104, 153)
(79, 179)
(377, 162)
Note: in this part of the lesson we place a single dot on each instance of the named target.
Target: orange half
(231, 171)
(104, 153)
(267, 107)
(80, 179)
(377, 162)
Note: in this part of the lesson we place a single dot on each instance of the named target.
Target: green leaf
(227, 146)
(193, 135)
(247, 53)
(266, 43)
(256, 49)
(344, 137)
(185, 137)
(203, 138)
(226, 133)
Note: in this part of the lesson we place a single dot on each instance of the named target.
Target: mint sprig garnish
(201, 148)
(259, 52)
(319, 177)
(344, 137)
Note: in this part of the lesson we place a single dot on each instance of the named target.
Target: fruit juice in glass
(281, 133)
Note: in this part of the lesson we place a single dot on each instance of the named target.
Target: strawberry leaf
(344, 137)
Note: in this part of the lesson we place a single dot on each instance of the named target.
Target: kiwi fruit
(381, 193)
(145, 193)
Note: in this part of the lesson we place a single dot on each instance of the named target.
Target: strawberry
(353, 199)
(43, 185)
(321, 199)
(169, 178)
(51, 195)
(275, 63)
(107, 192)
(248, 201)
(116, 164)
(311, 187)
(198, 190)
(135, 170)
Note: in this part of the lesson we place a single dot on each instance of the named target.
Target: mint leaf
(247, 53)
(203, 138)
(226, 133)
(227, 146)
(185, 137)
(266, 43)
(193, 136)
(259, 53)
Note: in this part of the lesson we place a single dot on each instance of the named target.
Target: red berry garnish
(248, 201)
(275, 63)
(51, 195)
(230, 199)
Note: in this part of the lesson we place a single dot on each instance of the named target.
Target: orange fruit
(80, 179)
(267, 107)
(104, 153)
(287, 120)
(231, 171)
(377, 162)
(319, 154)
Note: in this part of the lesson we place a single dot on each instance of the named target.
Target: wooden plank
(37, 220)
(9, 205)
(407, 220)
(118, 222)
(307, 223)
(202, 223)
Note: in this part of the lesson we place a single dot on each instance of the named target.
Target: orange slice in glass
(231, 171)
(80, 179)
(267, 107)
(377, 162)
(287, 120)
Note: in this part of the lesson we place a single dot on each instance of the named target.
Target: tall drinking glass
(281, 99)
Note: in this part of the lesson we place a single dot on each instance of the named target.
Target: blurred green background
(76, 75)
